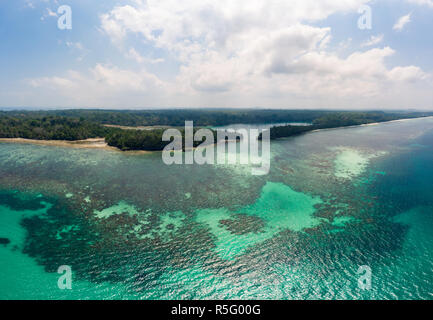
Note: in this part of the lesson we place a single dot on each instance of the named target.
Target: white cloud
(74, 45)
(373, 41)
(51, 13)
(345, 43)
(103, 85)
(221, 44)
(410, 73)
(78, 49)
(48, 13)
(402, 22)
(423, 2)
(197, 25)
(134, 55)
(316, 78)
(239, 53)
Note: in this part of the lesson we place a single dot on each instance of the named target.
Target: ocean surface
(131, 227)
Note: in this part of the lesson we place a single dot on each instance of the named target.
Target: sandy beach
(372, 124)
(97, 143)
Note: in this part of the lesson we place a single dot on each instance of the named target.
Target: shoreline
(99, 143)
(92, 143)
(371, 124)
(397, 120)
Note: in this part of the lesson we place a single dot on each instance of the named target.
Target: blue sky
(202, 53)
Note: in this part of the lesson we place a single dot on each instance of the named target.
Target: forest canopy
(84, 124)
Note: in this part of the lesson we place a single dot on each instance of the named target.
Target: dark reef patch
(21, 202)
(4, 241)
(242, 224)
(111, 250)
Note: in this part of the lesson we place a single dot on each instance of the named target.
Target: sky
(291, 54)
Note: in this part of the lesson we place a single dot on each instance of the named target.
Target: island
(142, 130)
(340, 120)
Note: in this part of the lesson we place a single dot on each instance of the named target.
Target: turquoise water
(131, 227)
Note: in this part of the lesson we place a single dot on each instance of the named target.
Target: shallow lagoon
(133, 228)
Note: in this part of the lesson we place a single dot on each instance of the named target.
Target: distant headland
(142, 130)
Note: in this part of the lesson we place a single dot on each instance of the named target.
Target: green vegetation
(84, 124)
(345, 119)
(149, 140)
(288, 131)
(136, 139)
(49, 128)
(176, 118)
(341, 119)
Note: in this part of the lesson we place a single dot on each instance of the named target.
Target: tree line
(84, 124)
(50, 128)
(340, 119)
